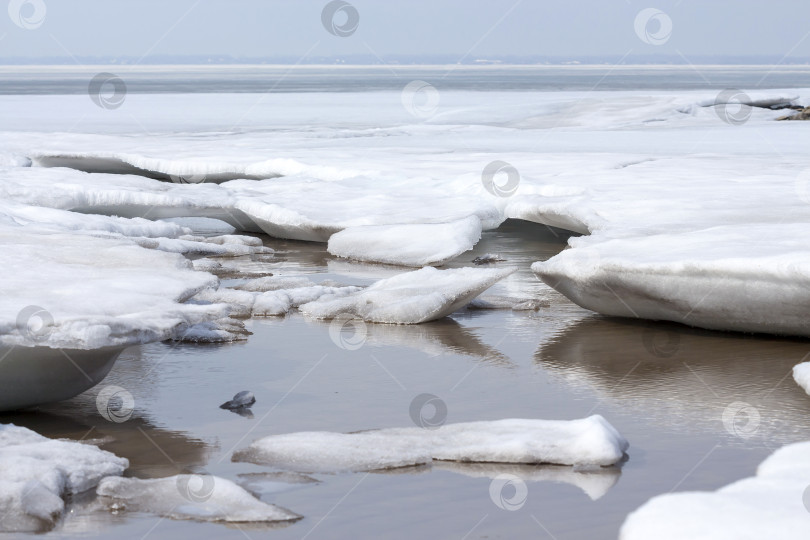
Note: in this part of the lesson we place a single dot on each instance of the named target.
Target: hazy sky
(476, 28)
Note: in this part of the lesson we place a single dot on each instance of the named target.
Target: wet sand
(663, 386)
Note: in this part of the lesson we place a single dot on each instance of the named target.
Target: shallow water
(665, 387)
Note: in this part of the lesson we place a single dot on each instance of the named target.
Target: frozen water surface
(686, 217)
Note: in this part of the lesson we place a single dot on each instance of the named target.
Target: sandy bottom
(664, 386)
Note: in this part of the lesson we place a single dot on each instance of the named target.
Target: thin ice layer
(770, 505)
(36, 472)
(409, 298)
(589, 441)
(189, 496)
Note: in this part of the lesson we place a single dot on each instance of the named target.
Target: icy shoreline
(709, 239)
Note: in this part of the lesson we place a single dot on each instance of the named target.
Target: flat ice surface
(191, 496)
(690, 218)
(408, 298)
(36, 472)
(801, 374)
(589, 441)
(772, 504)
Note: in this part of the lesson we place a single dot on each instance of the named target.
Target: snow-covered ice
(586, 442)
(773, 504)
(801, 374)
(689, 218)
(407, 245)
(409, 298)
(198, 497)
(37, 472)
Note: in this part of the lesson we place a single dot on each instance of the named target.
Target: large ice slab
(409, 298)
(407, 245)
(589, 441)
(772, 504)
(37, 472)
(751, 279)
(189, 496)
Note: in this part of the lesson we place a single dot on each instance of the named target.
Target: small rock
(487, 258)
(242, 400)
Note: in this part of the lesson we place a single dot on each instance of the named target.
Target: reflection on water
(690, 377)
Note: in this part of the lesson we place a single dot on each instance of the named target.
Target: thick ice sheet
(409, 298)
(37, 472)
(590, 441)
(189, 496)
(771, 504)
(753, 279)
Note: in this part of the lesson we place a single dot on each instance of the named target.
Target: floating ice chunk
(768, 505)
(752, 279)
(190, 496)
(270, 303)
(263, 483)
(408, 244)
(801, 374)
(590, 441)
(507, 302)
(274, 283)
(409, 298)
(203, 225)
(224, 330)
(36, 472)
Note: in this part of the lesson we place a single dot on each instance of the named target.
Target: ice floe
(198, 497)
(409, 298)
(801, 374)
(407, 245)
(586, 442)
(37, 472)
(772, 504)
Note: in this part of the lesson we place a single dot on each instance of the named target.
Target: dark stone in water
(240, 401)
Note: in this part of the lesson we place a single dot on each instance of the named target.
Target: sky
(148, 30)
